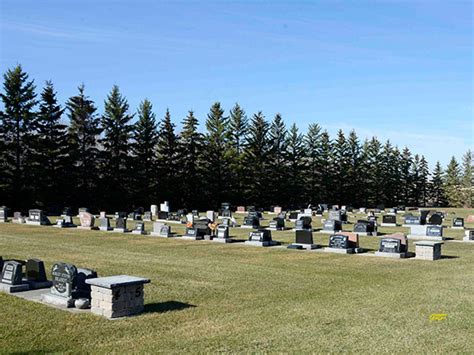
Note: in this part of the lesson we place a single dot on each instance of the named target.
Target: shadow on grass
(168, 306)
(449, 257)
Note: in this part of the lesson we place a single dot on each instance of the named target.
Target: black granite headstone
(64, 279)
(339, 241)
(389, 219)
(304, 237)
(261, 236)
(12, 272)
(35, 270)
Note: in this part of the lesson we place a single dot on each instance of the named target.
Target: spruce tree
(167, 153)
(405, 176)
(18, 136)
(52, 150)
(453, 184)
(437, 186)
(144, 141)
(278, 164)
(83, 133)
(415, 177)
(238, 124)
(216, 160)
(375, 173)
(116, 144)
(295, 155)
(353, 178)
(467, 181)
(256, 161)
(423, 177)
(313, 144)
(190, 161)
(326, 167)
(341, 156)
(388, 171)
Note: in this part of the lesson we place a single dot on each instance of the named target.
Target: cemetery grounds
(212, 297)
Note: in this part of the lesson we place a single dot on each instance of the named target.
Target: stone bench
(117, 296)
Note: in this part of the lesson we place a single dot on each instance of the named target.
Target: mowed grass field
(212, 297)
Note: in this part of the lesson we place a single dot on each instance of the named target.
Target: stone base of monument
(300, 246)
(227, 240)
(276, 229)
(328, 231)
(424, 237)
(117, 296)
(388, 225)
(139, 232)
(65, 302)
(120, 230)
(466, 239)
(295, 230)
(33, 223)
(18, 221)
(157, 234)
(368, 234)
(192, 237)
(459, 228)
(106, 229)
(391, 255)
(167, 221)
(4, 221)
(35, 285)
(13, 288)
(247, 227)
(262, 244)
(64, 226)
(340, 251)
(426, 250)
(87, 228)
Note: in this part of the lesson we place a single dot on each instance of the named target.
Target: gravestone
(102, 214)
(426, 232)
(35, 274)
(121, 225)
(104, 224)
(37, 218)
(343, 243)
(458, 223)
(303, 240)
(165, 207)
(81, 288)
(211, 215)
(468, 235)
(262, 238)
(64, 222)
(117, 296)
(393, 246)
(330, 226)
(293, 216)
(277, 209)
(12, 273)
(12, 277)
(120, 215)
(251, 221)
(278, 223)
(470, 218)
(87, 221)
(161, 230)
(426, 250)
(3, 214)
(154, 210)
(389, 220)
(335, 215)
(240, 209)
(147, 216)
(411, 220)
(195, 213)
(363, 227)
(64, 277)
(304, 223)
(139, 228)
(436, 219)
(163, 216)
(18, 218)
(222, 235)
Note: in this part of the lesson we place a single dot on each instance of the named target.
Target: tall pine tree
(52, 151)
(144, 141)
(453, 183)
(279, 188)
(295, 154)
(116, 144)
(313, 181)
(467, 186)
(437, 186)
(18, 136)
(83, 134)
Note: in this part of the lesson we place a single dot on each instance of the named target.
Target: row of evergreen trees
(114, 161)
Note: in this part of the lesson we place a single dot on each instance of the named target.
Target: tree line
(119, 159)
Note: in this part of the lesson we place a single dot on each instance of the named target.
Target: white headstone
(154, 210)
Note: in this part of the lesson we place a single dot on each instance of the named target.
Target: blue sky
(400, 70)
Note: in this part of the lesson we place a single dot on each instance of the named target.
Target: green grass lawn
(209, 297)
